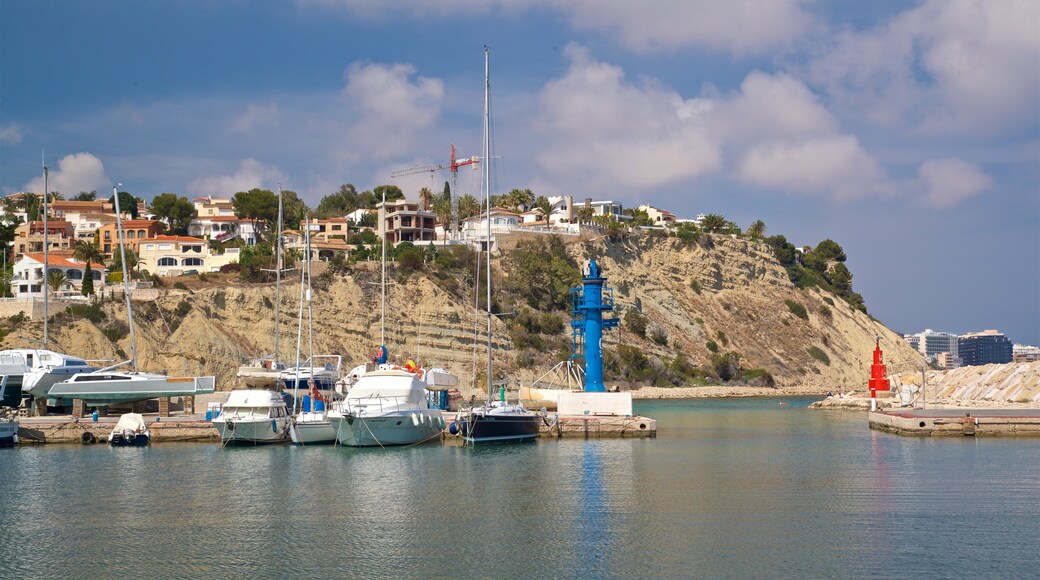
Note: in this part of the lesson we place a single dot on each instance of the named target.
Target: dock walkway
(957, 422)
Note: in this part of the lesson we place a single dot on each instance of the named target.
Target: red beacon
(878, 372)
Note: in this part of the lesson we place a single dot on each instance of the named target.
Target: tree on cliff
(757, 229)
(714, 223)
(88, 252)
(260, 206)
(127, 203)
(176, 211)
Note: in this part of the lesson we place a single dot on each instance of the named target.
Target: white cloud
(771, 106)
(253, 116)
(735, 26)
(11, 134)
(961, 67)
(390, 108)
(836, 166)
(605, 134)
(75, 173)
(249, 174)
(948, 182)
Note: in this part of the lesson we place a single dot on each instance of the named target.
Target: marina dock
(957, 422)
(190, 428)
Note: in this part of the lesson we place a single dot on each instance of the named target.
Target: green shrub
(818, 354)
(695, 285)
(825, 311)
(659, 336)
(712, 346)
(636, 323)
(797, 309)
(183, 308)
(726, 366)
(17, 318)
(828, 300)
(91, 312)
(722, 338)
(116, 331)
(180, 286)
(758, 377)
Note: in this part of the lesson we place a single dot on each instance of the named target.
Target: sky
(908, 132)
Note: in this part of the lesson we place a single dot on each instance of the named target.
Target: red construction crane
(453, 165)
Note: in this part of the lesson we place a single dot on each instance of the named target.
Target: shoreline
(724, 392)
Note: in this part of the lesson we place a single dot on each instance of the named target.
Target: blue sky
(907, 132)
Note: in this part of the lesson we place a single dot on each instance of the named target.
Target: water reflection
(729, 489)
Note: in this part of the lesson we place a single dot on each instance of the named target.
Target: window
(140, 233)
(165, 247)
(191, 261)
(130, 235)
(149, 246)
(95, 274)
(167, 262)
(74, 274)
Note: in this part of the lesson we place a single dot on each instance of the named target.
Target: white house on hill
(28, 280)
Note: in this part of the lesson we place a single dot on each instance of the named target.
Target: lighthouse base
(601, 404)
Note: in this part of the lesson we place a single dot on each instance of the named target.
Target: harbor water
(730, 488)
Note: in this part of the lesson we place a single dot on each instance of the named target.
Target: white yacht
(8, 418)
(33, 371)
(386, 407)
(253, 417)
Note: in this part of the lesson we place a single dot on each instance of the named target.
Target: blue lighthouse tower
(587, 324)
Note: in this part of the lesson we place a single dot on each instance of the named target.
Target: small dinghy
(130, 431)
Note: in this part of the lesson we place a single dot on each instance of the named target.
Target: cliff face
(742, 291)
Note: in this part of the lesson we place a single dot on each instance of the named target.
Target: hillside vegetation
(706, 309)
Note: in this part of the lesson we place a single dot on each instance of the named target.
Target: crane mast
(453, 165)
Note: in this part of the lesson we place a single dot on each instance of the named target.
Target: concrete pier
(79, 431)
(957, 422)
(594, 426)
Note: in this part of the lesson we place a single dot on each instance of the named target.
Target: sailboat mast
(310, 307)
(126, 275)
(46, 262)
(382, 280)
(277, 275)
(299, 325)
(487, 204)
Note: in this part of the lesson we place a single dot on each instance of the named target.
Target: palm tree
(585, 214)
(56, 279)
(757, 229)
(425, 198)
(88, 252)
(713, 223)
(543, 204)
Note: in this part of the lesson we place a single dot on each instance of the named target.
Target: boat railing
(378, 403)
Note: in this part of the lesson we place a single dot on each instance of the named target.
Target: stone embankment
(1009, 386)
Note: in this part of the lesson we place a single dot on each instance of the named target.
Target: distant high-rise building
(983, 348)
(1023, 353)
(931, 344)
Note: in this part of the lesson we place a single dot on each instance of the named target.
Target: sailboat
(33, 371)
(387, 404)
(265, 372)
(108, 386)
(497, 421)
(310, 423)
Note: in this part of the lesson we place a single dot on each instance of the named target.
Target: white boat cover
(132, 422)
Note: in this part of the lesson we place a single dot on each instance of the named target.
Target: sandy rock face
(740, 295)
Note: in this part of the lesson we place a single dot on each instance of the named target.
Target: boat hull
(252, 432)
(397, 428)
(312, 431)
(134, 440)
(491, 428)
(258, 377)
(105, 392)
(8, 433)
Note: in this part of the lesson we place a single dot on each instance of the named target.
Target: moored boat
(253, 417)
(495, 421)
(386, 407)
(130, 431)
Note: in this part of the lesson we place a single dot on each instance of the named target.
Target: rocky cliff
(730, 291)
